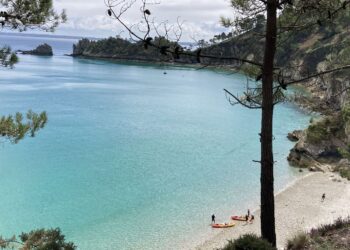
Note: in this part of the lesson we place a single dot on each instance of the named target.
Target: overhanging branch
(238, 101)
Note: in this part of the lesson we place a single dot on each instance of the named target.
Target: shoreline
(228, 68)
(298, 208)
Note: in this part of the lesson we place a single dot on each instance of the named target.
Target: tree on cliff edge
(282, 19)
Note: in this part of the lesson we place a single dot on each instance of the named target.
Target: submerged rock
(41, 50)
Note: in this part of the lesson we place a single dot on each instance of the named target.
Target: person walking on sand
(323, 197)
(248, 213)
(213, 218)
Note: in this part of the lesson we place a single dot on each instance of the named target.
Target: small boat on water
(223, 225)
(239, 218)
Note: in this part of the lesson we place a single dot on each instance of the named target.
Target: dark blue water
(131, 158)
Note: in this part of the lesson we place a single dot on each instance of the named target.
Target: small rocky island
(41, 50)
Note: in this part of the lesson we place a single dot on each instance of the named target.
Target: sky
(89, 17)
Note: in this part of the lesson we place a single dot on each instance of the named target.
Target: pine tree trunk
(267, 162)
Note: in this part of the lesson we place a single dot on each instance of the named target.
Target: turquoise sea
(131, 158)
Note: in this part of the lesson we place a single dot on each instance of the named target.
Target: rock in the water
(41, 50)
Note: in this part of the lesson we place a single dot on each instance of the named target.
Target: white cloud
(89, 18)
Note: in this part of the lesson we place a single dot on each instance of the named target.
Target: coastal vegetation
(310, 46)
(329, 236)
(345, 173)
(42, 239)
(123, 49)
(249, 241)
(324, 129)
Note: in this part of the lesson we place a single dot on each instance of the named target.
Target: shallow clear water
(131, 158)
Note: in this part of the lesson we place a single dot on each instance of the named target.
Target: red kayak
(223, 225)
(239, 218)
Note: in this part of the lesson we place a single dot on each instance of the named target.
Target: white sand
(298, 208)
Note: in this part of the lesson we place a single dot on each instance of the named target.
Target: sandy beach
(298, 208)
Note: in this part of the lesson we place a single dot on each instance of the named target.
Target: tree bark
(267, 163)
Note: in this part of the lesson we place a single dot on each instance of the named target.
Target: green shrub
(330, 236)
(298, 242)
(325, 129)
(345, 173)
(345, 113)
(317, 132)
(318, 238)
(344, 153)
(249, 242)
(40, 239)
(324, 229)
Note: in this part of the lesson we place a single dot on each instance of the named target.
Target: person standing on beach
(213, 219)
(248, 213)
(251, 219)
(323, 197)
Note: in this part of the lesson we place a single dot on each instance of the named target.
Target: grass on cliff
(326, 237)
